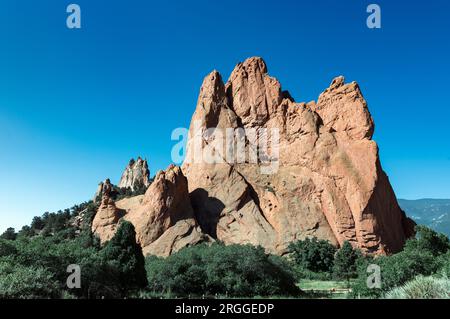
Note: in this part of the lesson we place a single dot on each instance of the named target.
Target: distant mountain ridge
(434, 213)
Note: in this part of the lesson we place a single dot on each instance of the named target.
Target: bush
(422, 288)
(396, 270)
(421, 256)
(7, 248)
(313, 255)
(234, 270)
(21, 282)
(444, 264)
(428, 240)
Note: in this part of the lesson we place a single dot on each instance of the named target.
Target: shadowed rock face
(329, 183)
(136, 175)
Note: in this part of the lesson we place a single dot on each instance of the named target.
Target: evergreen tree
(313, 254)
(125, 260)
(9, 234)
(345, 262)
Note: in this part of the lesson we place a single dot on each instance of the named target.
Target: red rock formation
(318, 174)
(329, 182)
(163, 218)
(106, 219)
(104, 188)
(136, 175)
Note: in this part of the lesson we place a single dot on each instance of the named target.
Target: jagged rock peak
(252, 93)
(343, 108)
(136, 175)
(104, 188)
(328, 181)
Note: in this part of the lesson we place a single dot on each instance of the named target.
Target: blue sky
(76, 105)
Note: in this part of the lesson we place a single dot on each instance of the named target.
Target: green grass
(324, 289)
(322, 285)
(313, 289)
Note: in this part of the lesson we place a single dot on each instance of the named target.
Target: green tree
(124, 258)
(37, 223)
(233, 270)
(313, 254)
(9, 234)
(396, 270)
(345, 262)
(7, 248)
(26, 231)
(427, 240)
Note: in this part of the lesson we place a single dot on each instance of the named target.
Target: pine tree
(9, 234)
(345, 262)
(125, 259)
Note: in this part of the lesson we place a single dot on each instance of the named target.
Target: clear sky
(76, 105)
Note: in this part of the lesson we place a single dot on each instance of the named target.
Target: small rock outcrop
(136, 175)
(104, 188)
(105, 221)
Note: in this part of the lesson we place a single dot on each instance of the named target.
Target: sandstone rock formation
(106, 219)
(104, 188)
(136, 175)
(287, 171)
(163, 217)
(328, 181)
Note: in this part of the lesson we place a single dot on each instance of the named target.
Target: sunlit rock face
(136, 175)
(317, 174)
(328, 182)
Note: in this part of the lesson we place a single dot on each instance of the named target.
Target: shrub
(21, 282)
(444, 264)
(396, 270)
(313, 254)
(235, 270)
(7, 248)
(422, 288)
(428, 240)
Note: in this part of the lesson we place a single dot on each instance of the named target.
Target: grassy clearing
(322, 285)
(324, 289)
